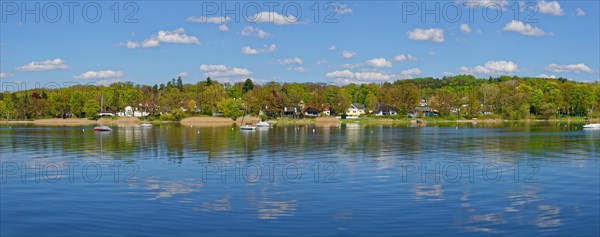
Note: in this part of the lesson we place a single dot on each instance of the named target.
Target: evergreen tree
(248, 86)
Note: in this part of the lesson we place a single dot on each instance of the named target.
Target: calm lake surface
(516, 179)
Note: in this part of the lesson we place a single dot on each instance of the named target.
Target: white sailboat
(263, 124)
(247, 126)
(102, 128)
(592, 125)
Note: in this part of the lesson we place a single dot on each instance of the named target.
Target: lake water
(516, 179)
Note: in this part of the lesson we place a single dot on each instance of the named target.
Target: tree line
(462, 96)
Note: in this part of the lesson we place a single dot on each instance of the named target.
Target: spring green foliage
(231, 108)
(461, 96)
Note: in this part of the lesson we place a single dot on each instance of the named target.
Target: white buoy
(313, 130)
(83, 130)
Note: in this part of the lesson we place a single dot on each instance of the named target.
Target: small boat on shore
(102, 129)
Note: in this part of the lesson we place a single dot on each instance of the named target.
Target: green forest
(501, 97)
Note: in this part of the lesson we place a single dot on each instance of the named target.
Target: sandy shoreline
(75, 122)
(206, 122)
(217, 121)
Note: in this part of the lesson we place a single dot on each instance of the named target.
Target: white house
(129, 112)
(384, 110)
(356, 109)
(326, 111)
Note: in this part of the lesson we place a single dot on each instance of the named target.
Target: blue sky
(352, 41)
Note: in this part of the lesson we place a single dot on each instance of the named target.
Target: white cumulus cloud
(579, 12)
(103, 74)
(340, 74)
(343, 9)
(404, 58)
(432, 34)
(348, 76)
(54, 64)
(265, 49)
(107, 82)
(491, 68)
(213, 20)
(297, 69)
(546, 76)
(224, 72)
(331, 48)
(249, 50)
(522, 28)
(348, 54)
(288, 61)
(254, 31)
(372, 76)
(182, 74)
(465, 28)
(176, 36)
(6, 75)
(205, 67)
(577, 68)
(410, 73)
(550, 8)
(321, 62)
(379, 62)
(273, 17)
(351, 65)
(223, 27)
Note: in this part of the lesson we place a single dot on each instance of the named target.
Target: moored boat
(592, 126)
(102, 129)
(263, 124)
(247, 127)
